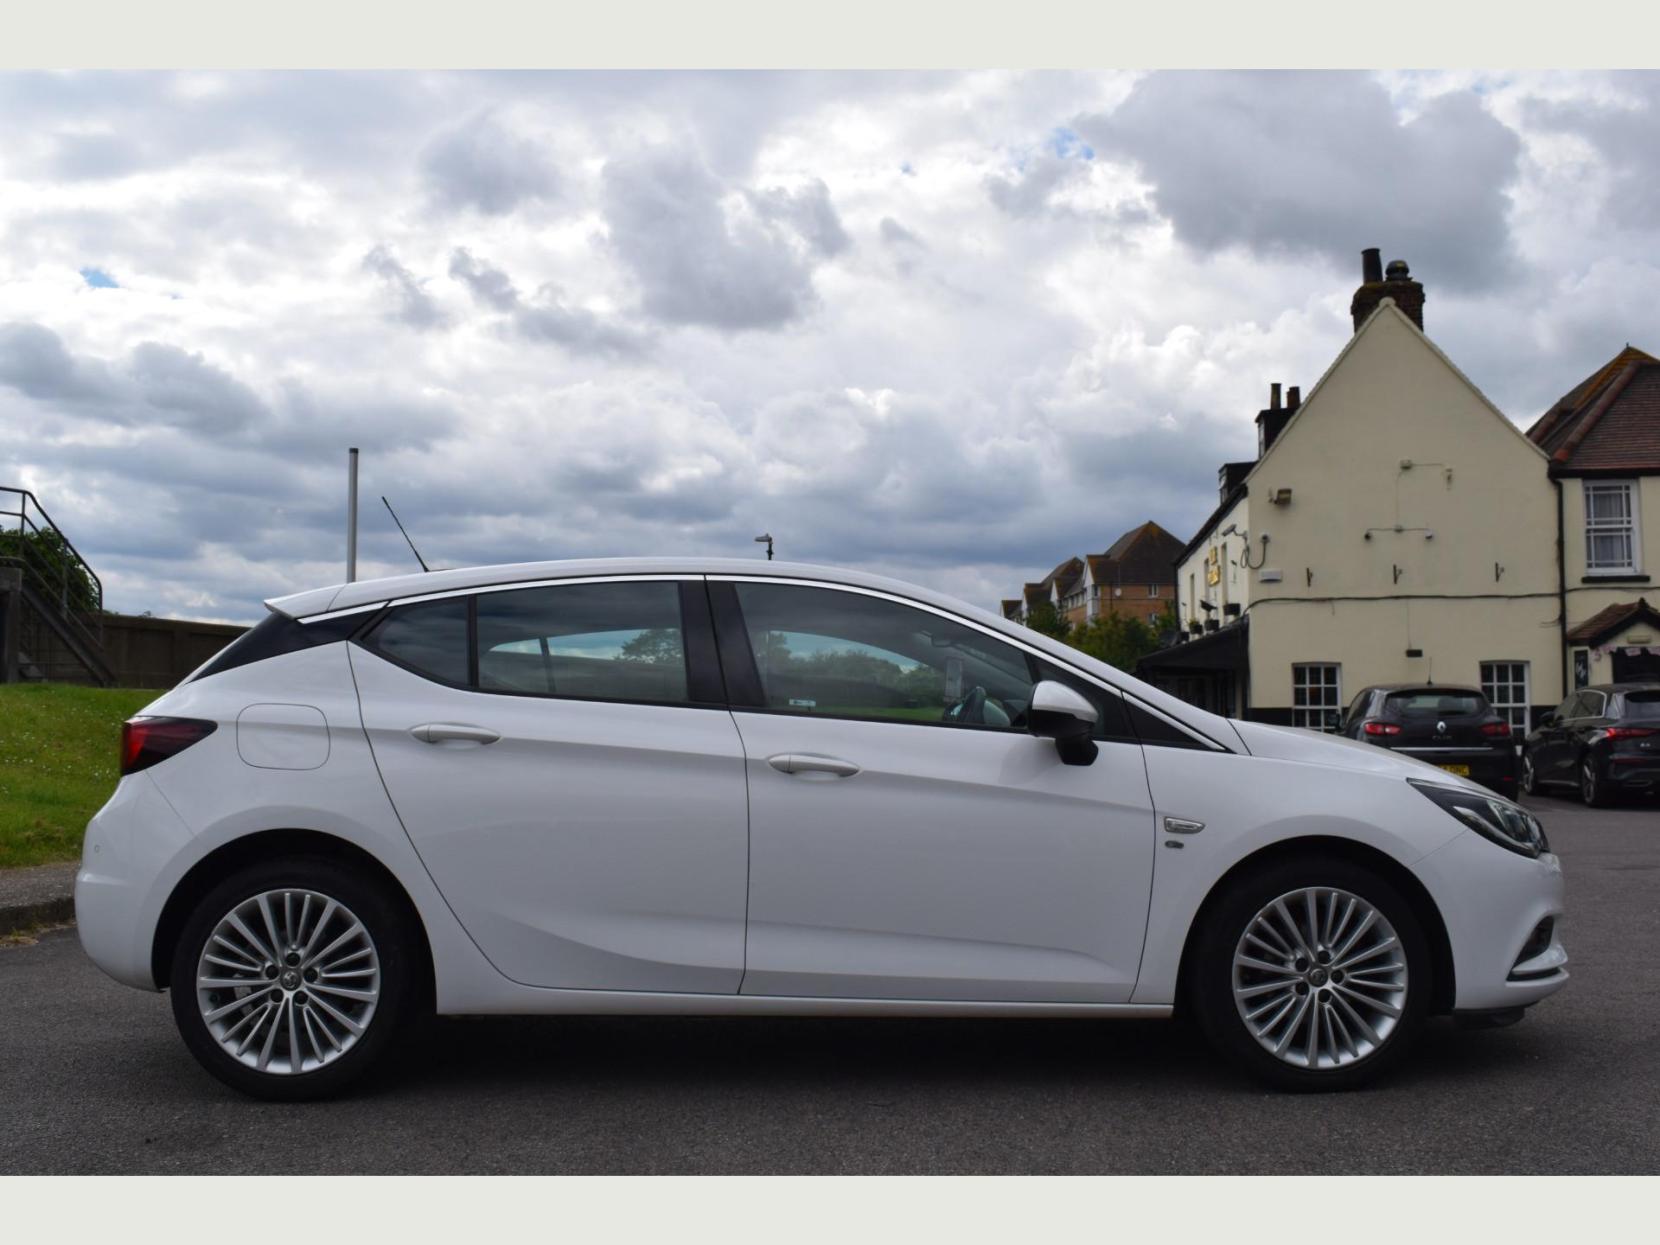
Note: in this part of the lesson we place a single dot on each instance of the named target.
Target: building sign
(1213, 567)
(1582, 667)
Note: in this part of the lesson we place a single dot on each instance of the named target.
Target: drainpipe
(1562, 590)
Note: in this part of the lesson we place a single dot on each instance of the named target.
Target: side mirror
(1059, 713)
(1547, 718)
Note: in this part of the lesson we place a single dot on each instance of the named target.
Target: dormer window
(1611, 542)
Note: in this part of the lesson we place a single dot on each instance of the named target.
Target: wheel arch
(266, 845)
(1444, 978)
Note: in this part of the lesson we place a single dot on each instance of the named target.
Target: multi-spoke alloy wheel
(1320, 978)
(292, 978)
(1311, 972)
(288, 981)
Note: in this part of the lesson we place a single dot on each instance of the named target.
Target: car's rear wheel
(1312, 974)
(291, 977)
(1530, 780)
(1592, 789)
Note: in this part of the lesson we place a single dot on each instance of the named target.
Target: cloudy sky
(950, 326)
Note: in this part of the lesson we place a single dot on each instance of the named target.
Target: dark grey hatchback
(1603, 740)
(1454, 728)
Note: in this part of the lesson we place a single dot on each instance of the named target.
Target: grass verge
(58, 764)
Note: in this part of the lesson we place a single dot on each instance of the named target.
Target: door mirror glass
(1059, 713)
(1547, 718)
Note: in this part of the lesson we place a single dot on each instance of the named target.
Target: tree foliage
(49, 563)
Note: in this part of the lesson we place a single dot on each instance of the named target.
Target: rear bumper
(117, 898)
(1632, 773)
(1490, 923)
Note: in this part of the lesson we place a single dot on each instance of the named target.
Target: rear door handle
(808, 763)
(440, 732)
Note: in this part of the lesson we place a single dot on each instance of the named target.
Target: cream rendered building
(1396, 526)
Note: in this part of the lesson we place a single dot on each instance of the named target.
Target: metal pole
(351, 515)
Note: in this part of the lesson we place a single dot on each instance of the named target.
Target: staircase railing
(52, 567)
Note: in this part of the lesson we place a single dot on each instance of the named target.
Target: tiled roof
(1609, 622)
(1144, 555)
(1610, 421)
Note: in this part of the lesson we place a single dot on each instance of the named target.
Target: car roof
(365, 592)
(1615, 688)
(371, 592)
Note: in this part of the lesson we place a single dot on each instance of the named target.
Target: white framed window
(1611, 542)
(1316, 695)
(1507, 685)
(1152, 590)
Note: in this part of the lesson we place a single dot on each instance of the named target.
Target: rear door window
(608, 641)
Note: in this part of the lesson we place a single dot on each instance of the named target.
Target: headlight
(1507, 824)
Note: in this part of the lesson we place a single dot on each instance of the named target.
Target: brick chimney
(1377, 284)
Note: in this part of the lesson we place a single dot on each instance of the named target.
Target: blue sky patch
(1066, 144)
(98, 279)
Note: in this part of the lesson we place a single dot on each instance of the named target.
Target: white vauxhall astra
(705, 787)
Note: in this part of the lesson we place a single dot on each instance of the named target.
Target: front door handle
(441, 732)
(808, 763)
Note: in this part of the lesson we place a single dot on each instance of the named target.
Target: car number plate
(1463, 771)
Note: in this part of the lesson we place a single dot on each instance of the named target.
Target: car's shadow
(463, 1055)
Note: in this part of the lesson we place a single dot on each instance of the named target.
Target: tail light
(1626, 732)
(1380, 728)
(144, 741)
(1496, 730)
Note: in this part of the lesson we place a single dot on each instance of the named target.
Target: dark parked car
(1455, 728)
(1604, 740)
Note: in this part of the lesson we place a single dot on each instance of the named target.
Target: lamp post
(767, 541)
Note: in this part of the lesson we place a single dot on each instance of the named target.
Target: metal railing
(51, 566)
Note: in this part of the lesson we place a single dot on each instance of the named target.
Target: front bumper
(1493, 901)
(120, 889)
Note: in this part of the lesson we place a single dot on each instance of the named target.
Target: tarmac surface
(93, 1078)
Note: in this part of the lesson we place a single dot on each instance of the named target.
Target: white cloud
(949, 326)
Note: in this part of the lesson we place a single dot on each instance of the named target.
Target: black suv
(1603, 740)
(1454, 728)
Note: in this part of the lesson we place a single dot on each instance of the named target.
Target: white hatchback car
(707, 787)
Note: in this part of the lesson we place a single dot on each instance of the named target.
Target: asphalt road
(94, 1079)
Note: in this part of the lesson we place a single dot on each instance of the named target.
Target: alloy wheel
(1588, 781)
(288, 981)
(1320, 978)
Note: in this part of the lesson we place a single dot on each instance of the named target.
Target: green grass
(59, 747)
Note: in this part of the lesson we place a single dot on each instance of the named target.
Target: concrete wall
(158, 652)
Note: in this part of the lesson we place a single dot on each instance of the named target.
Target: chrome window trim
(508, 586)
(1093, 680)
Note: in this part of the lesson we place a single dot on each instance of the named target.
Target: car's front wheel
(290, 978)
(1530, 779)
(1312, 974)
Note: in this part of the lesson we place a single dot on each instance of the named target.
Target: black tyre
(1312, 974)
(1530, 779)
(291, 978)
(1593, 788)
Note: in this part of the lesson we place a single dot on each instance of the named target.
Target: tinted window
(820, 651)
(1435, 702)
(1644, 706)
(1114, 717)
(620, 641)
(429, 637)
(276, 634)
